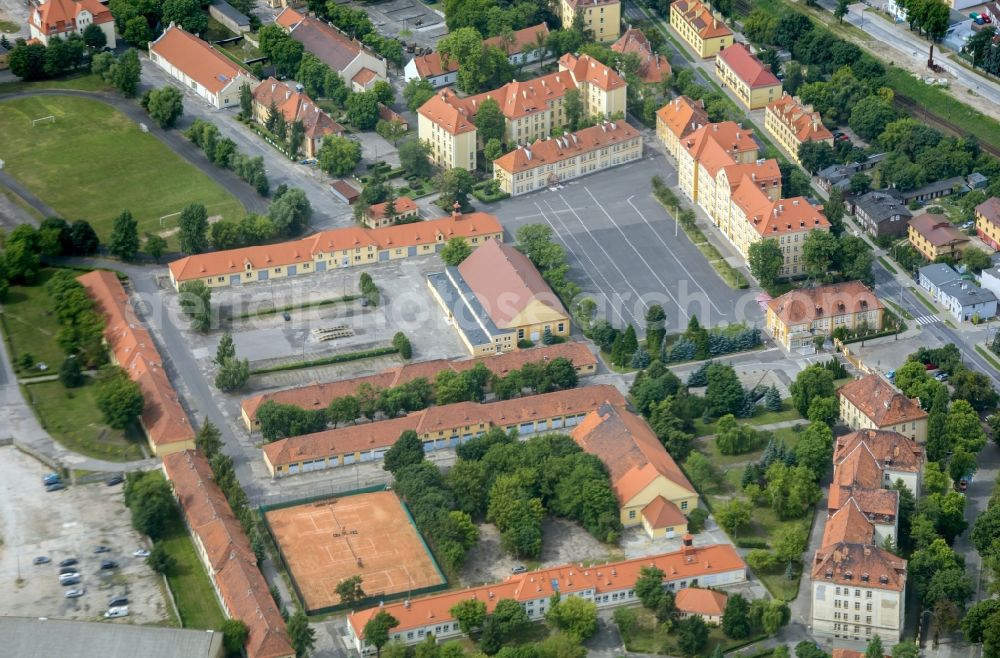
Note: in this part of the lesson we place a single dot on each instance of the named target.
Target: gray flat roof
(967, 293)
(29, 636)
(467, 311)
(231, 12)
(939, 274)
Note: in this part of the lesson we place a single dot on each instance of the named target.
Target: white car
(63, 577)
(142, 552)
(120, 611)
(75, 593)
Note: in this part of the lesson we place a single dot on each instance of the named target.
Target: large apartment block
(698, 26)
(796, 318)
(706, 151)
(873, 403)
(602, 17)
(676, 120)
(749, 79)
(792, 124)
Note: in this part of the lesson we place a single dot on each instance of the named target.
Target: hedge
(328, 360)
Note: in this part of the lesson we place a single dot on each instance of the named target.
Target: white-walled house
(63, 18)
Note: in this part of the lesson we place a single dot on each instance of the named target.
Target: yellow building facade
(935, 236)
(792, 123)
(602, 17)
(748, 78)
(448, 147)
(798, 316)
(699, 28)
(873, 403)
(678, 119)
(707, 150)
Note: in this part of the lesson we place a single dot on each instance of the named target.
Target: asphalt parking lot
(69, 524)
(424, 25)
(626, 251)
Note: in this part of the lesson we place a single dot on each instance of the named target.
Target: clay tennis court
(368, 534)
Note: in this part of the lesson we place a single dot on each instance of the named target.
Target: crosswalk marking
(927, 319)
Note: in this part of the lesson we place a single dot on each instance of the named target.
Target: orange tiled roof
(445, 418)
(893, 450)
(990, 210)
(698, 601)
(629, 449)
(548, 151)
(403, 205)
(661, 513)
(163, 417)
(364, 76)
(763, 174)
(750, 70)
(196, 59)
(587, 69)
(805, 123)
(807, 304)
(848, 524)
(241, 586)
(859, 565)
(685, 564)
(653, 67)
(700, 18)
(234, 261)
(937, 230)
(446, 110)
(850, 653)
(714, 145)
(683, 116)
(58, 16)
(881, 402)
(288, 18)
(296, 106)
(774, 218)
(433, 65)
(317, 396)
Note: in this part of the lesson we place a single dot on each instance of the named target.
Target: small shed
(344, 192)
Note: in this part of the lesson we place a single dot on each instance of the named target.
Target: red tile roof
(717, 145)
(848, 524)
(661, 513)
(448, 112)
(364, 76)
(296, 106)
(893, 450)
(750, 70)
(197, 59)
(881, 402)
(432, 65)
(805, 123)
(318, 396)
(162, 415)
(683, 116)
(700, 18)
(937, 230)
(58, 16)
(698, 601)
(805, 305)
(773, 218)
(403, 205)
(859, 565)
(548, 151)
(990, 210)
(587, 69)
(653, 67)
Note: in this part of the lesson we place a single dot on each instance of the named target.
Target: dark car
(41, 559)
(108, 564)
(118, 601)
(288, 318)
(55, 486)
(102, 549)
(68, 562)
(113, 480)
(50, 478)
(69, 569)
(70, 581)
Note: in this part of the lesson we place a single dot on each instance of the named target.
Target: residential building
(839, 175)
(608, 585)
(653, 67)
(651, 489)
(200, 67)
(695, 23)
(990, 280)
(45, 636)
(64, 18)
(131, 347)
(934, 236)
(963, 298)
(226, 554)
(446, 122)
(550, 160)
(988, 222)
(899, 457)
(871, 402)
(229, 16)
(602, 17)
(752, 82)
(881, 214)
(858, 482)
(319, 396)
(440, 73)
(336, 248)
(797, 317)
(496, 298)
(404, 209)
(677, 119)
(709, 604)
(358, 65)
(720, 205)
(706, 151)
(932, 191)
(439, 427)
(294, 106)
(793, 124)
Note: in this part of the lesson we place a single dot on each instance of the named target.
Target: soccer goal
(49, 119)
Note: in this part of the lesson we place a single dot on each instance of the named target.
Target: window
(684, 504)
(631, 514)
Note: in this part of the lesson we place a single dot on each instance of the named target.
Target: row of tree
(37, 61)
(223, 153)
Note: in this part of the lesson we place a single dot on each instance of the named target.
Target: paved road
(9, 181)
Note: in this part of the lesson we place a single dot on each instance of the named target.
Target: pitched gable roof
(61, 15)
(448, 112)
(585, 68)
(804, 122)
(296, 106)
(700, 17)
(893, 450)
(856, 564)
(848, 524)
(548, 151)
(715, 145)
(682, 116)
(937, 230)
(990, 210)
(331, 46)
(807, 304)
(880, 401)
(197, 59)
(653, 67)
(698, 601)
(750, 70)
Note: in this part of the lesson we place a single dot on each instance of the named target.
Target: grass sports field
(93, 161)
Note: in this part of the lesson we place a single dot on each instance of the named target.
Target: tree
(195, 300)
(124, 236)
(233, 375)
(151, 503)
(338, 156)
(724, 393)
(94, 37)
(975, 621)
(819, 251)
(860, 183)
(964, 428)
(574, 616)
(165, 105)
(766, 260)
(470, 614)
(815, 448)
(961, 465)
(510, 619)
(137, 32)
(413, 158)
(154, 246)
(406, 451)
(455, 251)
(362, 110)
(649, 586)
(736, 618)
(303, 636)
(119, 398)
(390, 131)
(296, 137)
(455, 185)
(692, 635)
(814, 156)
(975, 388)
(226, 349)
(790, 542)
(403, 346)
(490, 121)
(283, 51)
(812, 382)
(208, 439)
(192, 228)
(350, 591)
(573, 107)
(246, 101)
(290, 211)
(234, 631)
(841, 10)
(655, 331)
(84, 238)
(71, 372)
(733, 515)
(416, 93)
(376, 631)
(874, 649)
(186, 13)
(624, 347)
(870, 116)
(492, 149)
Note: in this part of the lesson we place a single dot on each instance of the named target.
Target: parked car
(113, 480)
(75, 580)
(55, 486)
(519, 569)
(63, 577)
(68, 562)
(50, 478)
(75, 593)
(118, 601)
(118, 611)
(142, 552)
(41, 559)
(891, 375)
(108, 564)
(101, 549)
(941, 376)
(70, 569)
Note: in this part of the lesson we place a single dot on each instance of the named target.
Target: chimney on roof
(456, 210)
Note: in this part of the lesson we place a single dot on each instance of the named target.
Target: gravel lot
(64, 524)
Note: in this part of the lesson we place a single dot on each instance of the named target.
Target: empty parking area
(626, 252)
(409, 20)
(69, 524)
(370, 535)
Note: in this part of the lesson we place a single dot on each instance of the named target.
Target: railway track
(918, 111)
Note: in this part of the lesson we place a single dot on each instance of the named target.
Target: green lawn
(21, 203)
(650, 637)
(989, 357)
(72, 418)
(31, 325)
(93, 162)
(82, 81)
(189, 582)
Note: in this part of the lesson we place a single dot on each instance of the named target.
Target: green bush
(751, 542)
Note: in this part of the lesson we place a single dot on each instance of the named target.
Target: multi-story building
(439, 427)
(706, 151)
(698, 26)
(754, 217)
(531, 109)
(793, 124)
(404, 209)
(762, 174)
(881, 214)
(678, 119)
(608, 586)
(934, 236)
(858, 483)
(988, 222)
(651, 489)
(873, 403)
(64, 18)
(329, 250)
(554, 160)
(272, 94)
(797, 317)
(899, 457)
(752, 82)
(964, 299)
(199, 67)
(496, 298)
(602, 17)
(653, 67)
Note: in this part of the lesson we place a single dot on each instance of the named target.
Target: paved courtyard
(409, 20)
